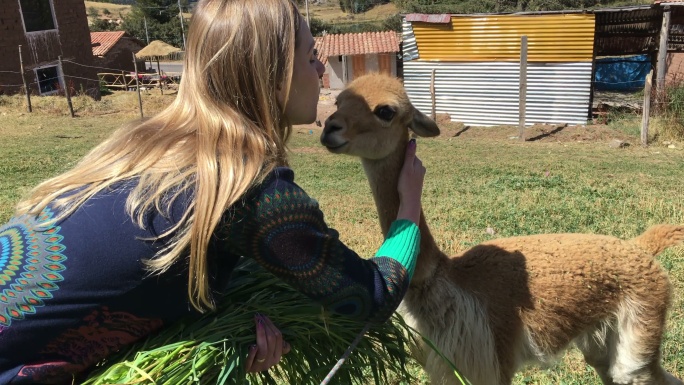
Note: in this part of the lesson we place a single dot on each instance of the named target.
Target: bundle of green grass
(212, 349)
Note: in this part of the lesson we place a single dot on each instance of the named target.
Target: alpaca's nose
(332, 126)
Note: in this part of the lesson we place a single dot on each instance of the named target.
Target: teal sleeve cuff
(402, 244)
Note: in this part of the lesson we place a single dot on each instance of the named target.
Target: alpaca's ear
(422, 125)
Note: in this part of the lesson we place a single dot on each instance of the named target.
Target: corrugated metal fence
(487, 93)
(476, 63)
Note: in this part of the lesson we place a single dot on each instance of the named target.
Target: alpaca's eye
(385, 113)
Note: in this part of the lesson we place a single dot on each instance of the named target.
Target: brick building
(113, 51)
(46, 29)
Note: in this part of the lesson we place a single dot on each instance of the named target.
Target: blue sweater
(73, 293)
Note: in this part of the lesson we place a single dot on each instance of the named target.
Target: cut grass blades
(212, 349)
(462, 380)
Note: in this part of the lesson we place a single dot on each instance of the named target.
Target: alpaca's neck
(383, 176)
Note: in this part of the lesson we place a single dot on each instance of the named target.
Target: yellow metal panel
(550, 38)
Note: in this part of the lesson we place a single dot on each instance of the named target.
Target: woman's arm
(283, 229)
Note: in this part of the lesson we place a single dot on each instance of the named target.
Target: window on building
(37, 15)
(48, 79)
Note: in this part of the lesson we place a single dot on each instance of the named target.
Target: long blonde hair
(223, 133)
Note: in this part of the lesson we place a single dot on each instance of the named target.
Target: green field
(570, 181)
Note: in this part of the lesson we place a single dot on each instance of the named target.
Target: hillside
(331, 13)
(328, 12)
(114, 9)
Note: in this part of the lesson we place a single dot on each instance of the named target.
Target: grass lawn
(565, 180)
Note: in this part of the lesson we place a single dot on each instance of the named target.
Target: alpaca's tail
(659, 237)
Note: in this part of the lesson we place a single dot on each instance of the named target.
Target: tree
(496, 6)
(359, 6)
(162, 18)
(102, 25)
(93, 12)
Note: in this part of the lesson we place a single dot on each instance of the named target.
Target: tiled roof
(356, 44)
(107, 40)
(318, 46)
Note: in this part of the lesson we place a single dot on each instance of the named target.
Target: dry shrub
(668, 122)
(124, 102)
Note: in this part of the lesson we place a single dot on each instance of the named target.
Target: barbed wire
(104, 68)
(78, 77)
(95, 67)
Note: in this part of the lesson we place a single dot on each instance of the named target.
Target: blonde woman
(151, 222)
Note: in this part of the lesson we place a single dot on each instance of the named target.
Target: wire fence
(52, 79)
(113, 79)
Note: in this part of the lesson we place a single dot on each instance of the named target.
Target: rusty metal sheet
(551, 38)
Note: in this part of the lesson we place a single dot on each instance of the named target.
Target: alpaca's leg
(637, 345)
(441, 373)
(597, 346)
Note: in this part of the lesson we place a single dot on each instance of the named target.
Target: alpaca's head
(373, 117)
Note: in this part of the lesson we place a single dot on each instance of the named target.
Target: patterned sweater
(73, 293)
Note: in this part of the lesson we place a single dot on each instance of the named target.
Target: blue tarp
(622, 73)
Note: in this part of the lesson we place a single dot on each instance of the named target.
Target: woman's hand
(410, 185)
(269, 346)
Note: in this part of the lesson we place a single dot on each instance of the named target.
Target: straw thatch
(157, 50)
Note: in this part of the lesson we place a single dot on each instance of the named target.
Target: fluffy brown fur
(515, 300)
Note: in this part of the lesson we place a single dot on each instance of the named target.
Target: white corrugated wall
(487, 93)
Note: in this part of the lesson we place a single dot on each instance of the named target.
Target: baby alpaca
(510, 301)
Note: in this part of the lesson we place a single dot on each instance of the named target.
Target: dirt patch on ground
(535, 133)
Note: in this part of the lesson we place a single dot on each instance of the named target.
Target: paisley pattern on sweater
(284, 229)
(101, 333)
(30, 264)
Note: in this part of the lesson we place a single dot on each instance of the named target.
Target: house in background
(350, 55)
(675, 68)
(46, 29)
(675, 60)
(113, 51)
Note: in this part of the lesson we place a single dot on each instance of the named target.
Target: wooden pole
(67, 93)
(522, 103)
(180, 16)
(432, 95)
(137, 85)
(647, 109)
(23, 79)
(662, 55)
(161, 83)
(308, 20)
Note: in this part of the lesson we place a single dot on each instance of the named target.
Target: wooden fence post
(137, 85)
(522, 103)
(646, 110)
(161, 83)
(662, 57)
(23, 79)
(67, 93)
